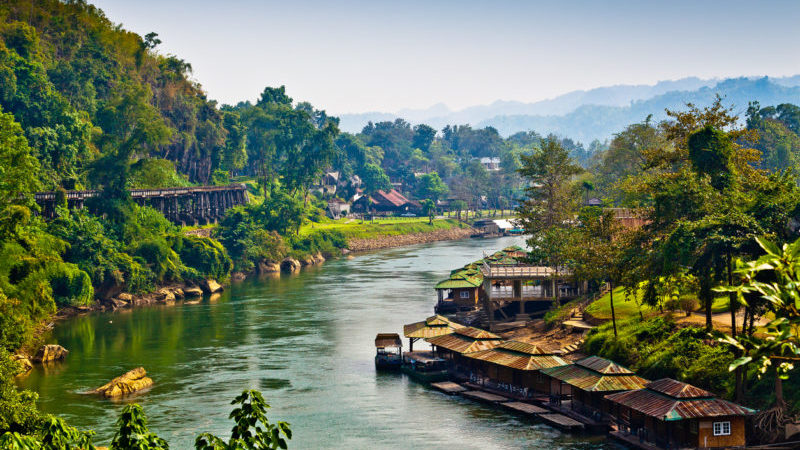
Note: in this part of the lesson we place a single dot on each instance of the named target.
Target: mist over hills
(597, 113)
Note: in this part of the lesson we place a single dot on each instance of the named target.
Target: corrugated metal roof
(660, 406)
(476, 333)
(432, 326)
(604, 366)
(592, 381)
(515, 360)
(463, 344)
(388, 340)
(522, 347)
(677, 389)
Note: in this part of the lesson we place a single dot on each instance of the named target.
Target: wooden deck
(484, 396)
(633, 440)
(448, 387)
(525, 408)
(561, 422)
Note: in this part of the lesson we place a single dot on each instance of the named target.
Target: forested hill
(80, 85)
(598, 113)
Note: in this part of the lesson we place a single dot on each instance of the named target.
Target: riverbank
(401, 240)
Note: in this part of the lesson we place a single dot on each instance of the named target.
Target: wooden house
(460, 292)
(455, 345)
(672, 414)
(386, 202)
(585, 383)
(431, 327)
(514, 363)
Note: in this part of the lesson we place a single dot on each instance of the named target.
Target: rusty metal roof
(461, 343)
(677, 389)
(604, 366)
(432, 326)
(476, 333)
(522, 347)
(509, 358)
(388, 340)
(593, 381)
(663, 407)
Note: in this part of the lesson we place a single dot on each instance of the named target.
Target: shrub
(207, 256)
(689, 304)
(71, 286)
(327, 242)
(160, 259)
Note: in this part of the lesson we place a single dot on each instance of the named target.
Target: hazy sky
(357, 56)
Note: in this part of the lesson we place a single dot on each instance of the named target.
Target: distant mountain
(596, 113)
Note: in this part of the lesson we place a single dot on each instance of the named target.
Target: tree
(423, 137)
(133, 433)
(431, 186)
(374, 179)
(252, 429)
(18, 167)
(429, 209)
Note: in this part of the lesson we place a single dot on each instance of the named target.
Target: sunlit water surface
(306, 342)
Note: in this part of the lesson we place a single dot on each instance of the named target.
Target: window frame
(722, 426)
(463, 294)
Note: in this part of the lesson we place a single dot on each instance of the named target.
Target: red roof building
(387, 202)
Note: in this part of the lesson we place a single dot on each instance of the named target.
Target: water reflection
(306, 342)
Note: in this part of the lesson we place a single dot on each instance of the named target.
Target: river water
(306, 342)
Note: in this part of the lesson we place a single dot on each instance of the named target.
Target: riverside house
(672, 414)
(583, 384)
(462, 341)
(433, 326)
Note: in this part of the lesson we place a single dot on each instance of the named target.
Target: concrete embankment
(379, 242)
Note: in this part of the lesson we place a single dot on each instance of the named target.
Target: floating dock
(484, 396)
(448, 387)
(525, 408)
(561, 422)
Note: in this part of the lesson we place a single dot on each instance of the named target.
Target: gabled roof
(432, 326)
(383, 340)
(604, 366)
(466, 340)
(522, 347)
(461, 279)
(688, 402)
(391, 198)
(595, 374)
(518, 355)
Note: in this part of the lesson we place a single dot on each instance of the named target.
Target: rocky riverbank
(379, 242)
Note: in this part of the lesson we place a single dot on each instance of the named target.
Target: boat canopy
(383, 340)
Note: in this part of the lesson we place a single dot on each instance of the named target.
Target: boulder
(307, 260)
(25, 363)
(50, 353)
(290, 265)
(165, 295)
(318, 258)
(210, 286)
(238, 276)
(268, 267)
(117, 303)
(178, 292)
(125, 297)
(193, 291)
(128, 383)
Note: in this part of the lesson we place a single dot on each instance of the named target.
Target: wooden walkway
(561, 422)
(448, 387)
(525, 408)
(484, 396)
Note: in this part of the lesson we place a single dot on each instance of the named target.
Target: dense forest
(86, 104)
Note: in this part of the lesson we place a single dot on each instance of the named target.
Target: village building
(516, 364)
(383, 202)
(672, 414)
(431, 327)
(490, 164)
(460, 292)
(455, 345)
(338, 208)
(514, 289)
(584, 384)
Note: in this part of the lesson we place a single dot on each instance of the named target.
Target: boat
(389, 351)
(425, 367)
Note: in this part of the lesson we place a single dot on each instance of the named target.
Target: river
(306, 342)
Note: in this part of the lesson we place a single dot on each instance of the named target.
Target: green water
(305, 341)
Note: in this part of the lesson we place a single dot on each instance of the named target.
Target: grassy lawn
(626, 307)
(392, 226)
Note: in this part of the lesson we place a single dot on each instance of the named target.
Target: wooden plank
(484, 396)
(562, 422)
(448, 387)
(525, 408)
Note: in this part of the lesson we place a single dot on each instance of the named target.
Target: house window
(722, 428)
(464, 294)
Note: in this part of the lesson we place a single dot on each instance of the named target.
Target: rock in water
(24, 362)
(165, 295)
(128, 383)
(50, 353)
(290, 265)
(193, 292)
(210, 286)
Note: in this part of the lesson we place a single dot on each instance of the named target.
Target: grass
(392, 226)
(624, 307)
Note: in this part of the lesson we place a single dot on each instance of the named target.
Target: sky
(348, 56)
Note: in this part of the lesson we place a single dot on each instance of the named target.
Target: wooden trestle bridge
(184, 205)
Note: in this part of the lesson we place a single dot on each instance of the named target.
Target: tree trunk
(779, 391)
(613, 316)
(732, 297)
